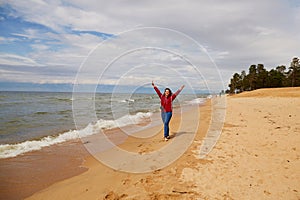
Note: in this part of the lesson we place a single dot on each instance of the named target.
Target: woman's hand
(182, 87)
(153, 84)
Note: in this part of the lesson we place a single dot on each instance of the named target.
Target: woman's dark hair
(169, 91)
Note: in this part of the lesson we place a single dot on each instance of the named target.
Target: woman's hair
(169, 91)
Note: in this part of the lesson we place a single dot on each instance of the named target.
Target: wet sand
(26, 174)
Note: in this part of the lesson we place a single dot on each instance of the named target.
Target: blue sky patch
(15, 37)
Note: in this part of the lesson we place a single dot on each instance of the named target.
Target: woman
(166, 107)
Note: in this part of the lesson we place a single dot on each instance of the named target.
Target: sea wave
(197, 101)
(41, 113)
(13, 150)
(127, 101)
(65, 99)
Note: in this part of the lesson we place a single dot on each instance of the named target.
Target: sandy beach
(102, 182)
(256, 157)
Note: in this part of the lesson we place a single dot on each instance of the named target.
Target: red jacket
(166, 102)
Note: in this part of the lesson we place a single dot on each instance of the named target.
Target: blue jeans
(166, 117)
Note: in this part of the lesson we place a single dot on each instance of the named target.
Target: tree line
(259, 77)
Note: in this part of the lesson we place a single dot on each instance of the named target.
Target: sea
(30, 121)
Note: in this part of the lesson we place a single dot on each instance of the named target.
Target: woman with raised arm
(166, 106)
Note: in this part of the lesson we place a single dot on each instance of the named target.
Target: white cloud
(13, 59)
(7, 40)
(236, 34)
(39, 47)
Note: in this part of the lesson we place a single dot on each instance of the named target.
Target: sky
(200, 44)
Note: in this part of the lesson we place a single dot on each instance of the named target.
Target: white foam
(12, 150)
(127, 100)
(197, 101)
(209, 96)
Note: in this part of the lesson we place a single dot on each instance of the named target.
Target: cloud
(235, 34)
(8, 40)
(12, 59)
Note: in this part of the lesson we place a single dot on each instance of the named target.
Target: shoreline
(37, 170)
(256, 156)
(13, 149)
(103, 179)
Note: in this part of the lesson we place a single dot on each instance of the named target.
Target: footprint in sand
(126, 181)
(113, 196)
(144, 150)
